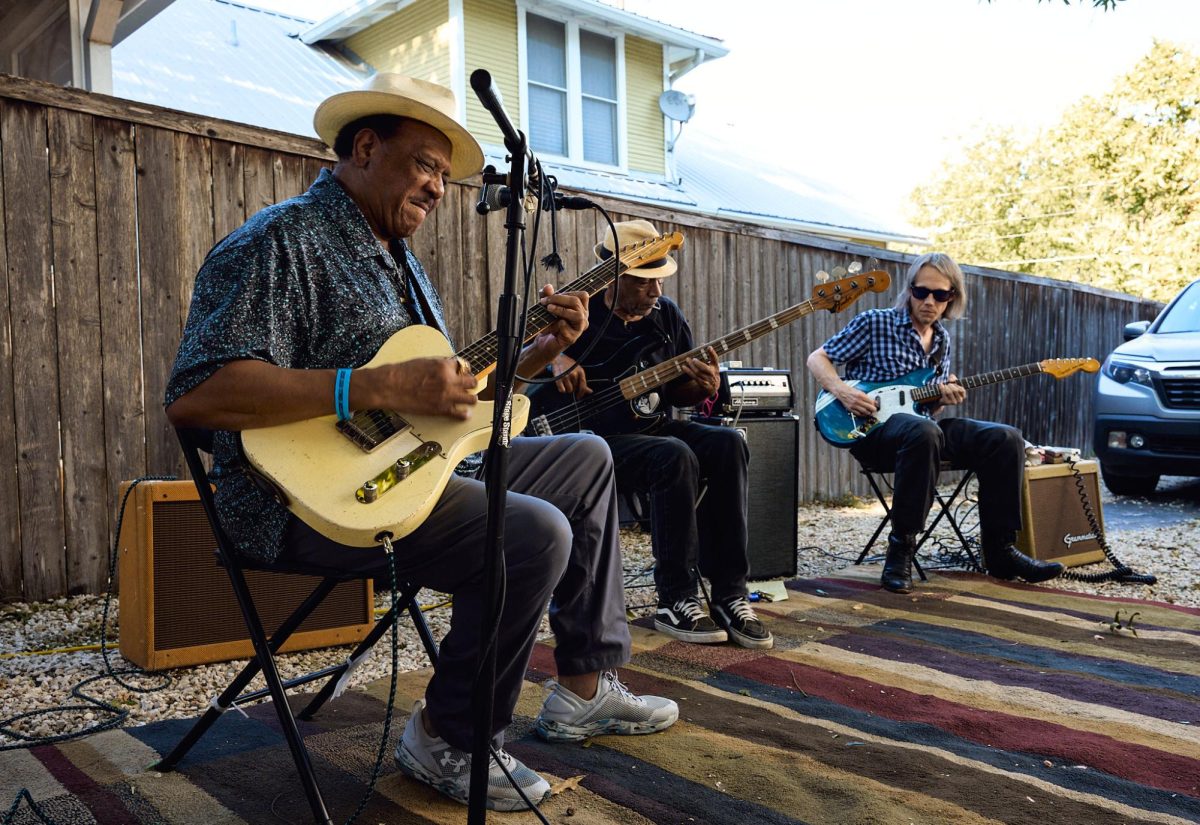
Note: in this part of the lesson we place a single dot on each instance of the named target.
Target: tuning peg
(822, 276)
(854, 268)
(839, 272)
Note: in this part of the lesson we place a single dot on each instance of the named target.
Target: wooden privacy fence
(110, 206)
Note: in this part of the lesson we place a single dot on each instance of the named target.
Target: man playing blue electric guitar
(634, 326)
(882, 345)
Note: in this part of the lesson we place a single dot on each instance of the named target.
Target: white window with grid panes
(572, 81)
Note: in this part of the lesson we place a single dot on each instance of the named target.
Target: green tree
(1109, 196)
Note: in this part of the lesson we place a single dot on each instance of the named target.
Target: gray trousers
(561, 546)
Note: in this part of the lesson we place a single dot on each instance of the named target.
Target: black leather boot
(1007, 562)
(897, 567)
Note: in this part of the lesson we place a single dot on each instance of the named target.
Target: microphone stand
(508, 338)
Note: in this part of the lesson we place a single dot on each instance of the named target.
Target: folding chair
(193, 442)
(945, 511)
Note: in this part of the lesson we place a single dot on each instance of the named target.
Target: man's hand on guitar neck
(571, 310)
(704, 380)
(952, 392)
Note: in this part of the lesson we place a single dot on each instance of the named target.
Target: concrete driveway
(1176, 500)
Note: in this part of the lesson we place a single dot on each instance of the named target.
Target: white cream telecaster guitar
(381, 472)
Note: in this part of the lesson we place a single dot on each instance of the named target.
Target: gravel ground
(830, 536)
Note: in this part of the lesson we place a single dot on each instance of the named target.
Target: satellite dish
(676, 105)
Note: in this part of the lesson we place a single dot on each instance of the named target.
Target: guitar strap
(420, 291)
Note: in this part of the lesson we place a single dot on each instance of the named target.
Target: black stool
(944, 505)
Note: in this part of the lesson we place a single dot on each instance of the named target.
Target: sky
(873, 96)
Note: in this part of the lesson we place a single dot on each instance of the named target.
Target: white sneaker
(567, 718)
(445, 768)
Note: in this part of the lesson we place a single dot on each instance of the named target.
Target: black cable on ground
(1121, 572)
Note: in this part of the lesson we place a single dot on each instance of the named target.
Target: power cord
(1121, 572)
(391, 703)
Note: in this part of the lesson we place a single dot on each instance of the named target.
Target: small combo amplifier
(1054, 526)
(754, 392)
(177, 603)
(774, 490)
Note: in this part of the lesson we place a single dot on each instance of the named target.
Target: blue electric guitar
(911, 394)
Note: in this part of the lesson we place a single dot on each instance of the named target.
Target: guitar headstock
(837, 295)
(1062, 367)
(650, 250)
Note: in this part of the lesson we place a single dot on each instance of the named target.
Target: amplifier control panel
(754, 391)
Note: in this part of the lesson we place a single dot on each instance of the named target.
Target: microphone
(493, 196)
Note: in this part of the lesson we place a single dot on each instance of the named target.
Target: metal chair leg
(233, 692)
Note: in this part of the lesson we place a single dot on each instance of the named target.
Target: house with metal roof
(591, 86)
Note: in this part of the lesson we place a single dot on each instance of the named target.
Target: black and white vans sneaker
(687, 621)
(737, 616)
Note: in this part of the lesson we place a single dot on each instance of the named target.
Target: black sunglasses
(939, 295)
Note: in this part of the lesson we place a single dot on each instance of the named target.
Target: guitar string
(930, 391)
(374, 429)
(592, 281)
(660, 374)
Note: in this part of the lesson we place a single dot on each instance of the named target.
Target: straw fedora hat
(631, 232)
(388, 93)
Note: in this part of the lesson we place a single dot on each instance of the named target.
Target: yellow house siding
(490, 35)
(643, 85)
(414, 41)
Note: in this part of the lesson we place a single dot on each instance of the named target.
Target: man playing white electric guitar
(286, 313)
(884, 344)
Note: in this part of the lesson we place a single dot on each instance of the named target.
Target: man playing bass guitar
(885, 344)
(632, 325)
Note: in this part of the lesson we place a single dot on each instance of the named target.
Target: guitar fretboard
(482, 354)
(659, 374)
(364, 428)
(931, 391)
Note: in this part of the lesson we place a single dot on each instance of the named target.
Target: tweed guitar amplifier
(1054, 527)
(177, 604)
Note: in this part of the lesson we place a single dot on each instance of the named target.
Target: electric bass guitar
(908, 394)
(381, 472)
(623, 405)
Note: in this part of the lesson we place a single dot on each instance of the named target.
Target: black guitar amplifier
(754, 391)
(773, 491)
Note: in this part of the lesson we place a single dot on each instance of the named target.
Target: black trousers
(913, 447)
(670, 466)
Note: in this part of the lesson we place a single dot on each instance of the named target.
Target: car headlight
(1124, 373)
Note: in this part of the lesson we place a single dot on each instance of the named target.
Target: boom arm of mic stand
(509, 341)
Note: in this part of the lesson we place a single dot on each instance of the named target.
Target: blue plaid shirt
(881, 345)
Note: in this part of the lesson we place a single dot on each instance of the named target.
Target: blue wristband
(341, 394)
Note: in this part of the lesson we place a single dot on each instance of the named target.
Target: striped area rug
(969, 701)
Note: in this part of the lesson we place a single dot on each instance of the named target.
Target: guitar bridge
(396, 472)
(541, 426)
(371, 428)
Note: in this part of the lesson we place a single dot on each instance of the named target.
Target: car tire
(1125, 485)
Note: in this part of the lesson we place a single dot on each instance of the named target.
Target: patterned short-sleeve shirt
(303, 284)
(881, 344)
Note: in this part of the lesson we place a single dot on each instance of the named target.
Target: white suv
(1148, 400)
